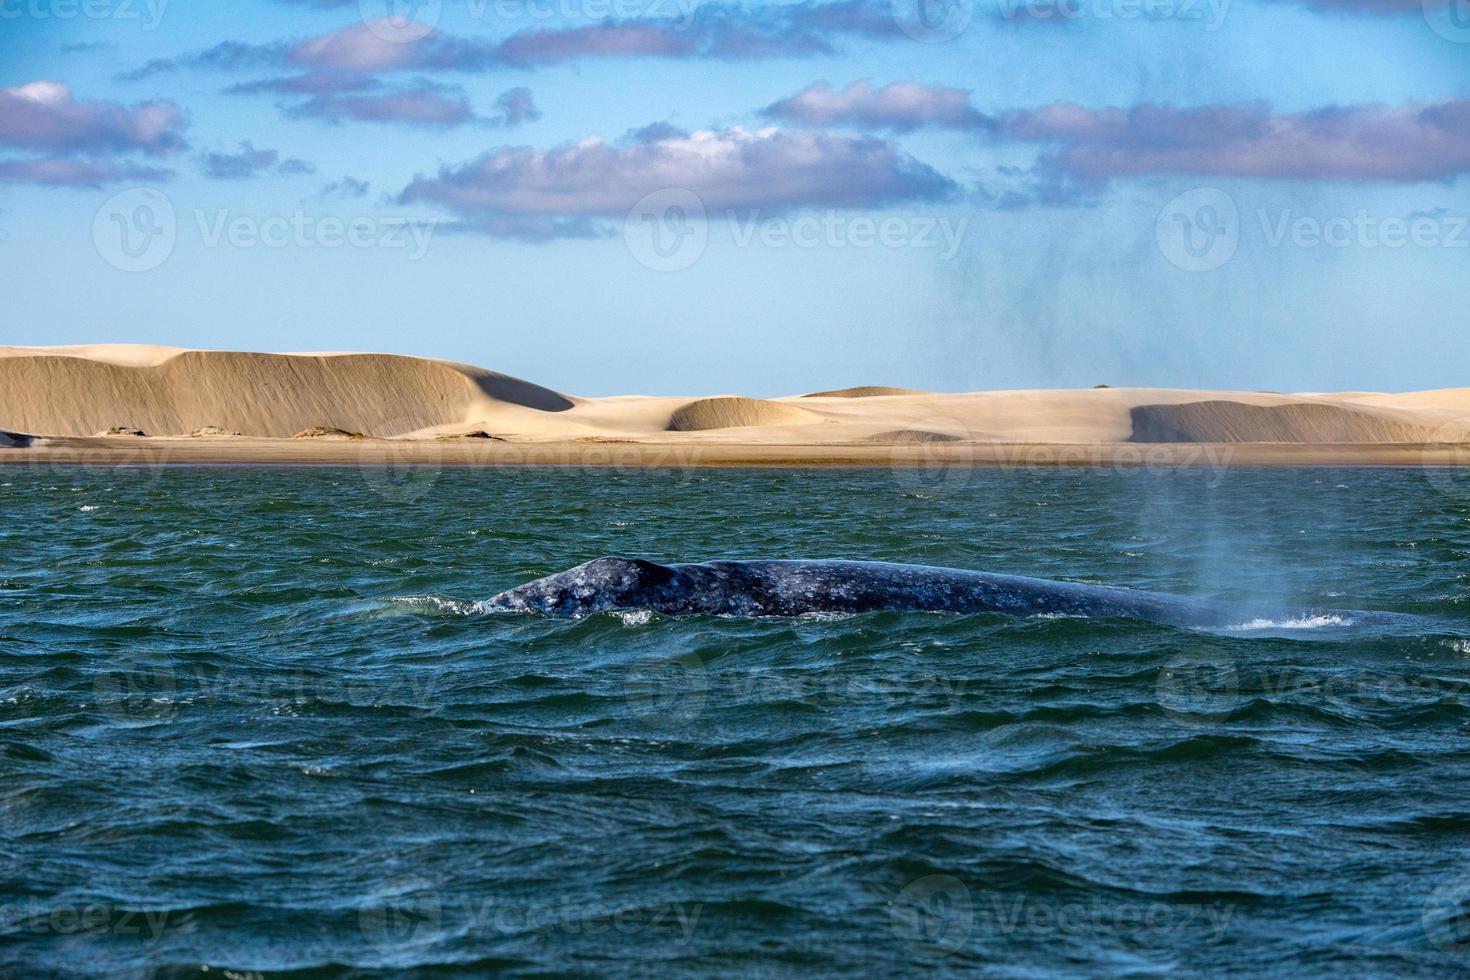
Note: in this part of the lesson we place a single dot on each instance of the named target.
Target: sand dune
(249, 402)
(729, 413)
(1297, 422)
(899, 437)
(865, 391)
(76, 391)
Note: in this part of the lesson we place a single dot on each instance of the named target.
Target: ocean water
(251, 723)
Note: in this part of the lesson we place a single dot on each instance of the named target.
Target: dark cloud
(1410, 142)
(308, 83)
(900, 106)
(63, 172)
(228, 56)
(730, 169)
(517, 106)
(423, 104)
(46, 116)
(250, 162)
(711, 30)
(347, 187)
(294, 167)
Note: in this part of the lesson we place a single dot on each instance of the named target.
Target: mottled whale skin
(795, 588)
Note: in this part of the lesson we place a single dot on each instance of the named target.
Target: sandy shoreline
(125, 452)
(122, 404)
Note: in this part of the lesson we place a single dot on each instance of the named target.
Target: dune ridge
(1295, 422)
(900, 437)
(56, 392)
(865, 391)
(736, 412)
(247, 401)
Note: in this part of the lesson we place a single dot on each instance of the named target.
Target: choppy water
(250, 721)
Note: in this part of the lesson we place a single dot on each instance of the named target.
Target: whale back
(795, 588)
(600, 585)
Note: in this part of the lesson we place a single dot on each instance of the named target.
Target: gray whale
(795, 588)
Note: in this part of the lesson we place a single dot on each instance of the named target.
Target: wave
(1311, 621)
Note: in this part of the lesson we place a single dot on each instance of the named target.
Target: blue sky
(610, 197)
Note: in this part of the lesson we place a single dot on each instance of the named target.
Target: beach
(145, 405)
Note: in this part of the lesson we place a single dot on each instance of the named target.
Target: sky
(686, 197)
